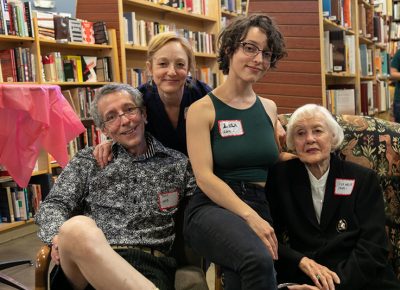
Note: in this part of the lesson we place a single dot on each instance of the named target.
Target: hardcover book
(61, 28)
(75, 30)
(100, 32)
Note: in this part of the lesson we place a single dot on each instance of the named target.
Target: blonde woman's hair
(161, 39)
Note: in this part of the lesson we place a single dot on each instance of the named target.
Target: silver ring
(318, 277)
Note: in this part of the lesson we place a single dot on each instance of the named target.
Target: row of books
(17, 65)
(372, 25)
(192, 6)
(394, 46)
(235, 6)
(394, 30)
(339, 52)
(140, 32)
(374, 61)
(19, 204)
(375, 97)
(16, 18)
(136, 76)
(338, 11)
(207, 76)
(91, 137)
(80, 99)
(396, 11)
(341, 100)
(76, 68)
(381, 63)
(64, 28)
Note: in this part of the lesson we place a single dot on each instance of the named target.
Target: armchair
(375, 143)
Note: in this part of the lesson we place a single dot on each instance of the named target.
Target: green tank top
(242, 142)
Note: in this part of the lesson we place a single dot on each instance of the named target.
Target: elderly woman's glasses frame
(114, 120)
(252, 50)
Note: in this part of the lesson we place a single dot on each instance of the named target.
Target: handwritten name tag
(230, 128)
(344, 186)
(168, 200)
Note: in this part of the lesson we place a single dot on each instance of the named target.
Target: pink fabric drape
(34, 117)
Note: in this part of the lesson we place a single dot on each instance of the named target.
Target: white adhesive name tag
(230, 128)
(344, 186)
(167, 200)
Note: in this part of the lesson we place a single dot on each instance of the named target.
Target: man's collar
(153, 147)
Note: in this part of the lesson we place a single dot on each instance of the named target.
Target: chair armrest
(43, 258)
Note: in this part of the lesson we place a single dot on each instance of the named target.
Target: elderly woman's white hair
(310, 111)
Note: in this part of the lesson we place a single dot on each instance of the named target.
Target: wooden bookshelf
(301, 78)
(134, 56)
(39, 46)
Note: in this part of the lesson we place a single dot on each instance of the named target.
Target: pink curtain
(34, 117)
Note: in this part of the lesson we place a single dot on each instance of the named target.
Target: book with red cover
(87, 31)
(8, 67)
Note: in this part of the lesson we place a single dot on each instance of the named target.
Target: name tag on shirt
(168, 200)
(230, 128)
(344, 186)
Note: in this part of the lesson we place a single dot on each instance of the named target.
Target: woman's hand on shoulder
(265, 232)
(322, 276)
(102, 153)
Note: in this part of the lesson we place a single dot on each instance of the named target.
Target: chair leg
(9, 264)
(11, 282)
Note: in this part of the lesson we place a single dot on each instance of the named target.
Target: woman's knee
(258, 261)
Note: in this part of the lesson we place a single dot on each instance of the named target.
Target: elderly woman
(328, 213)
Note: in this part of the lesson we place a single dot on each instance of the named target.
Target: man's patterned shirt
(124, 198)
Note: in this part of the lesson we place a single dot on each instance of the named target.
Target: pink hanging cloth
(33, 117)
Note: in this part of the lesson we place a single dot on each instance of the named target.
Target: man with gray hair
(111, 227)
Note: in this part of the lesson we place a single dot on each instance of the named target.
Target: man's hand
(55, 256)
(102, 153)
(322, 277)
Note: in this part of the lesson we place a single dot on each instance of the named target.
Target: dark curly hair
(229, 39)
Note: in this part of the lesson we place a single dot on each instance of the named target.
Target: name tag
(344, 186)
(168, 200)
(230, 128)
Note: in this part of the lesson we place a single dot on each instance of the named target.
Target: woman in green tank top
(231, 145)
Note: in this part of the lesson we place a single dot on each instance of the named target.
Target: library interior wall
(297, 79)
(67, 6)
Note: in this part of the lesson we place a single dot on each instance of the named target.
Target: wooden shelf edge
(16, 38)
(74, 45)
(169, 9)
(9, 226)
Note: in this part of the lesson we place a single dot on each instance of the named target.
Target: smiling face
(312, 140)
(247, 67)
(169, 68)
(128, 130)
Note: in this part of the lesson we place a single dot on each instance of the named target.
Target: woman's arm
(279, 131)
(200, 118)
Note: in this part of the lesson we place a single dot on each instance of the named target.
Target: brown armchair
(42, 265)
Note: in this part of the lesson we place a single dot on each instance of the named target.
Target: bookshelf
(39, 46)
(133, 55)
(303, 76)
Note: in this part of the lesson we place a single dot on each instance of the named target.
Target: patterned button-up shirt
(130, 199)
